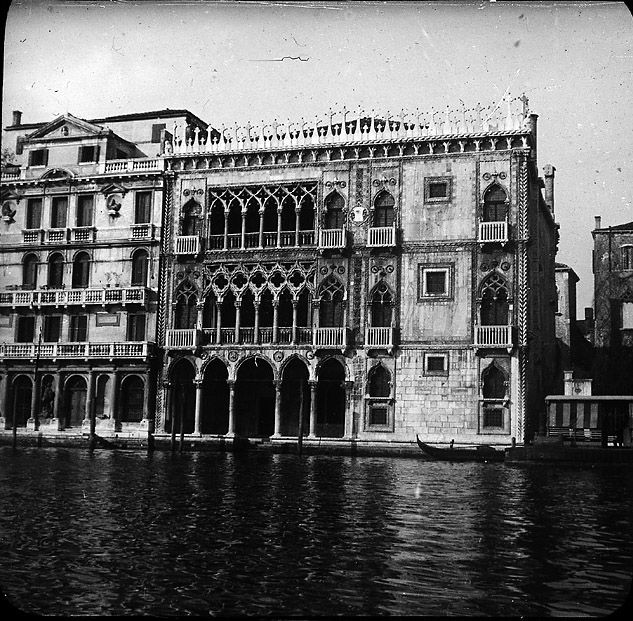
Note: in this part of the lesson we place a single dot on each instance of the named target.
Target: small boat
(483, 452)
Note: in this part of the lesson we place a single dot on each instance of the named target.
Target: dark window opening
(52, 329)
(81, 271)
(157, 128)
(59, 212)
(88, 154)
(493, 417)
(435, 282)
(334, 214)
(25, 330)
(29, 272)
(438, 189)
(136, 327)
(56, 271)
(383, 210)
(85, 204)
(38, 157)
(379, 382)
(140, 261)
(142, 207)
(494, 383)
(34, 213)
(435, 364)
(78, 328)
(378, 416)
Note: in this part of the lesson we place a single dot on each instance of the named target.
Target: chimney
(598, 222)
(17, 117)
(548, 173)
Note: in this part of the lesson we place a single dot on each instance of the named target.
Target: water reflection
(120, 533)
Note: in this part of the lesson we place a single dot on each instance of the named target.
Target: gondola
(483, 453)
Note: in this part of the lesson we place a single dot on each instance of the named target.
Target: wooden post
(174, 409)
(181, 408)
(301, 414)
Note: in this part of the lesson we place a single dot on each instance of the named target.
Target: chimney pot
(17, 117)
(598, 222)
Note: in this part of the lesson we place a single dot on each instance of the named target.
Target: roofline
(589, 398)
(167, 113)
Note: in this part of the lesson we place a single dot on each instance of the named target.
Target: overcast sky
(236, 62)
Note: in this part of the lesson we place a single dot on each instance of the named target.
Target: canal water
(122, 533)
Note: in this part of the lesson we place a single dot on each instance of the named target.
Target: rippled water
(119, 533)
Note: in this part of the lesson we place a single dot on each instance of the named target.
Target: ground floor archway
(255, 399)
(215, 405)
(295, 399)
(330, 411)
(21, 402)
(75, 393)
(182, 398)
(132, 399)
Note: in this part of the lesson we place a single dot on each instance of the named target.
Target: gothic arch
(333, 216)
(495, 203)
(383, 209)
(296, 356)
(253, 357)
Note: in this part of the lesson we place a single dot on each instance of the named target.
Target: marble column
(243, 237)
(256, 329)
(277, 432)
(261, 228)
(275, 319)
(226, 229)
(33, 422)
(231, 430)
(218, 327)
(199, 386)
(237, 321)
(4, 389)
(278, 228)
(313, 397)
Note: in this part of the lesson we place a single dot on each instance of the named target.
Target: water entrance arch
(295, 398)
(183, 398)
(330, 415)
(75, 410)
(215, 413)
(255, 399)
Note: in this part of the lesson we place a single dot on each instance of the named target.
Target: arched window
(252, 216)
(493, 383)
(247, 309)
(266, 311)
(270, 214)
(81, 270)
(495, 207)
(29, 272)
(304, 317)
(334, 211)
(331, 294)
(379, 382)
(494, 301)
(140, 261)
(235, 217)
(381, 306)
(209, 313)
(228, 310)
(216, 218)
(132, 396)
(56, 271)
(383, 209)
(190, 220)
(285, 309)
(288, 214)
(306, 216)
(186, 312)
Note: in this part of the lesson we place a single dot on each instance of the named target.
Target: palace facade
(359, 278)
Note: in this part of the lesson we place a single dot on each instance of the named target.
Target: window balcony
(57, 236)
(329, 338)
(494, 336)
(188, 244)
(493, 232)
(381, 237)
(142, 231)
(67, 297)
(187, 338)
(83, 234)
(379, 338)
(86, 351)
(33, 236)
(332, 238)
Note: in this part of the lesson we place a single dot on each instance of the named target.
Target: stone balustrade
(493, 336)
(347, 126)
(66, 297)
(83, 350)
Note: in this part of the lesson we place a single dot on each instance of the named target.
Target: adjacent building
(358, 278)
(613, 308)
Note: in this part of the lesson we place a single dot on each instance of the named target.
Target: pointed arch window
(494, 391)
(494, 301)
(379, 411)
(379, 382)
(190, 220)
(29, 272)
(381, 306)
(334, 211)
(140, 261)
(56, 271)
(383, 209)
(81, 270)
(306, 215)
(331, 294)
(186, 313)
(495, 204)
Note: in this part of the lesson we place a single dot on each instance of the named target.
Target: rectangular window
(437, 189)
(627, 316)
(78, 328)
(493, 417)
(25, 330)
(627, 257)
(434, 281)
(378, 415)
(38, 157)
(59, 212)
(52, 329)
(156, 130)
(436, 364)
(142, 207)
(84, 209)
(34, 213)
(136, 327)
(88, 154)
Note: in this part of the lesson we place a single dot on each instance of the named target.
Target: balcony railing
(381, 237)
(133, 165)
(182, 339)
(57, 236)
(65, 297)
(33, 236)
(493, 232)
(493, 336)
(142, 231)
(329, 337)
(332, 238)
(187, 244)
(269, 239)
(379, 337)
(83, 234)
(125, 349)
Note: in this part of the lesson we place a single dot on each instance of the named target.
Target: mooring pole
(301, 415)
(174, 409)
(38, 393)
(182, 417)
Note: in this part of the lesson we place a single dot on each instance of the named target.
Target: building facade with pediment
(356, 279)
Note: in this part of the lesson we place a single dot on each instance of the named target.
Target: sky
(235, 62)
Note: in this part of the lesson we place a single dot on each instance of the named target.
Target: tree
(8, 157)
